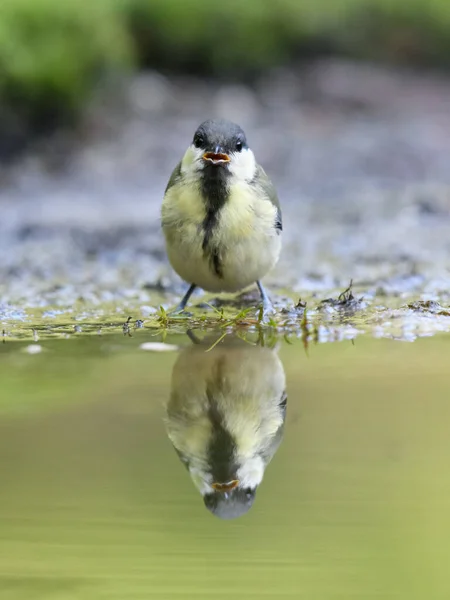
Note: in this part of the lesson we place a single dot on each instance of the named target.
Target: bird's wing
(272, 447)
(266, 185)
(174, 177)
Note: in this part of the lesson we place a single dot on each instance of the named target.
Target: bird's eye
(239, 145)
(198, 141)
(249, 493)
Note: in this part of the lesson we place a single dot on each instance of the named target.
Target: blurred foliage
(221, 38)
(52, 52)
(237, 38)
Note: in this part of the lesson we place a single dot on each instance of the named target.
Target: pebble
(158, 347)
(33, 349)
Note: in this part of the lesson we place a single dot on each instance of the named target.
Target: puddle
(107, 445)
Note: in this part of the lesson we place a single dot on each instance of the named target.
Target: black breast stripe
(215, 192)
(222, 444)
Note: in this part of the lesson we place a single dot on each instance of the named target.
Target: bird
(225, 418)
(220, 215)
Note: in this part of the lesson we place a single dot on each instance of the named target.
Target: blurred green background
(53, 53)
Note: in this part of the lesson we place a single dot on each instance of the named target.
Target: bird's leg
(182, 305)
(267, 305)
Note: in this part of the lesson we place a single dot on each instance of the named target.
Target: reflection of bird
(225, 419)
(220, 216)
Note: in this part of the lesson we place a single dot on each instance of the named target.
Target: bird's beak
(217, 157)
(225, 487)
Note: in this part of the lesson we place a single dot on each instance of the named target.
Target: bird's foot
(267, 309)
(266, 312)
(179, 311)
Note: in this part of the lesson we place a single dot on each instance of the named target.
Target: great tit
(221, 216)
(225, 418)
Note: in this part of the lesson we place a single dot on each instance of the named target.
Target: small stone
(33, 349)
(158, 347)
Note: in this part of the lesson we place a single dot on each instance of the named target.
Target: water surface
(95, 503)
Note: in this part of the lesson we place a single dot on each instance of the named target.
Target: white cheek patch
(192, 161)
(243, 165)
(201, 481)
(250, 474)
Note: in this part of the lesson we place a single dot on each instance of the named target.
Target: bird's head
(219, 147)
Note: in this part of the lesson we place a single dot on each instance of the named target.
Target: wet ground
(96, 504)
(359, 156)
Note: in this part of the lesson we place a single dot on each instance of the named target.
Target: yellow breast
(244, 215)
(183, 203)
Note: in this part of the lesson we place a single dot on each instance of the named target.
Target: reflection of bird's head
(230, 506)
(225, 419)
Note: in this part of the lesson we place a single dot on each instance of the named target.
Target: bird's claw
(179, 312)
(267, 311)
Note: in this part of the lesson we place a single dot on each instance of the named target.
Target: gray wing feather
(174, 178)
(266, 185)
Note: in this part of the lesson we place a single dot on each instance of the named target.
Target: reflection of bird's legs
(261, 338)
(191, 335)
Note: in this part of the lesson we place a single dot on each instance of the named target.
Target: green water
(95, 504)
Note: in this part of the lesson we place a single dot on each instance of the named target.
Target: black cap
(220, 133)
(231, 505)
